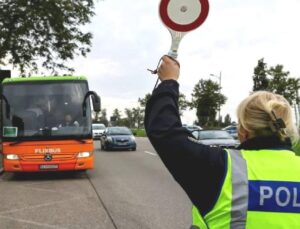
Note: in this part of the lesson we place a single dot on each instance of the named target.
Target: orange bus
(47, 124)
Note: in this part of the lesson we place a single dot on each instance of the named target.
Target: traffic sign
(180, 17)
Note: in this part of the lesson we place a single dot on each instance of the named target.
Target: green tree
(116, 117)
(103, 117)
(277, 80)
(123, 122)
(36, 33)
(96, 116)
(260, 79)
(138, 116)
(134, 117)
(182, 102)
(281, 83)
(143, 101)
(207, 99)
(130, 117)
(117, 114)
(227, 120)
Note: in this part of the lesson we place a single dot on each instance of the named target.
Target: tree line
(207, 99)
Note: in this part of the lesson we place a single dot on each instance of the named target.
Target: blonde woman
(256, 186)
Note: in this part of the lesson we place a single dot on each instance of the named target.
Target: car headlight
(132, 138)
(109, 139)
(84, 154)
(12, 157)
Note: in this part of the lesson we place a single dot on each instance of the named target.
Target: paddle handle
(176, 39)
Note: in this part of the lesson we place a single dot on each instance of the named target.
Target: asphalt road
(126, 190)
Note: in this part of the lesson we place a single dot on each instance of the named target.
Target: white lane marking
(41, 205)
(148, 152)
(47, 190)
(32, 222)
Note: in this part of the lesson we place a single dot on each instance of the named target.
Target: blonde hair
(258, 112)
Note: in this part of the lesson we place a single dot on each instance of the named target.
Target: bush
(296, 148)
(139, 132)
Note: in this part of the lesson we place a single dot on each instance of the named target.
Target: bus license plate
(43, 167)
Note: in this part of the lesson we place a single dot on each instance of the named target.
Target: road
(126, 190)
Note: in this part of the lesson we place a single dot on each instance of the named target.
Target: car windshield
(214, 134)
(98, 127)
(119, 131)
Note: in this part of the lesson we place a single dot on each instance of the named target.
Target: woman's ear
(242, 134)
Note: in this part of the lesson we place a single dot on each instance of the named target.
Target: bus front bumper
(40, 166)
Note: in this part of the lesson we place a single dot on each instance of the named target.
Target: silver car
(232, 130)
(216, 138)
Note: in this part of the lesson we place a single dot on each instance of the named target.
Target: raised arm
(199, 169)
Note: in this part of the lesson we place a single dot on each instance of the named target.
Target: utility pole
(297, 107)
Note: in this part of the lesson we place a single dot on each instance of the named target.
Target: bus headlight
(84, 154)
(12, 157)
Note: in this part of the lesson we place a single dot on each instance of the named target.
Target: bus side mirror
(95, 99)
(96, 102)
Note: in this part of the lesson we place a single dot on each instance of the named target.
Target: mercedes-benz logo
(48, 157)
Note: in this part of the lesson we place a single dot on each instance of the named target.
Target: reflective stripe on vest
(239, 190)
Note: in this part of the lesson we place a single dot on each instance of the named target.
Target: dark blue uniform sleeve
(198, 168)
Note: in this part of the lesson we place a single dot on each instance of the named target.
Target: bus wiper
(43, 132)
(80, 140)
(15, 143)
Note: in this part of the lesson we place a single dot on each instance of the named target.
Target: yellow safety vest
(261, 190)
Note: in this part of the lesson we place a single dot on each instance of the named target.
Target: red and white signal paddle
(181, 17)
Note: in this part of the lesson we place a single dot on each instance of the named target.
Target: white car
(98, 130)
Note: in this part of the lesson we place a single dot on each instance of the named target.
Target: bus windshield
(46, 110)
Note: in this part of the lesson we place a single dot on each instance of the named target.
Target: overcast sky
(129, 38)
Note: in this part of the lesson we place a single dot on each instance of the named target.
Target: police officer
(256, 186)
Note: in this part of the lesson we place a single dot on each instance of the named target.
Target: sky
(129, 37)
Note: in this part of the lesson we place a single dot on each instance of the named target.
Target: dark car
(118, 138)
(232, 130)
(215, 138)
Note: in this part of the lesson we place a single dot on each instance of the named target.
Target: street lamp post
(297, 101)
(297, 107)
(220, 86)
